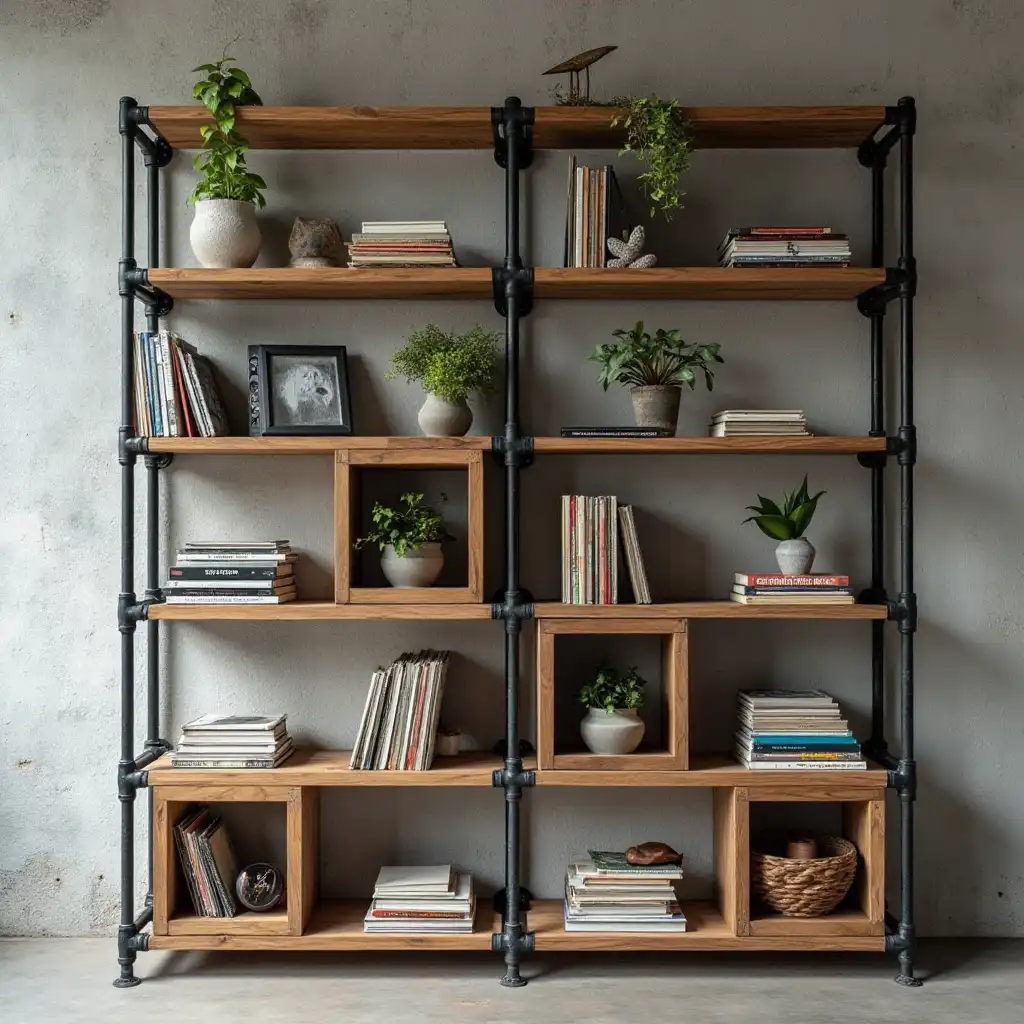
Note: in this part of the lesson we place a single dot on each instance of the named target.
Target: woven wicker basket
(803, 888)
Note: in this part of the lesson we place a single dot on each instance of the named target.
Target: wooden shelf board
(272, 922)
(697, 283)
(312, 445)
(844, 921)
(707, 610)
(823, 444)
(558, 127)
(301, 611)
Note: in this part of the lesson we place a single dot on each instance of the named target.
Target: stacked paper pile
(402, 243)
(232, 572)
(784, 247)
(605, 893)
(744, 422)
(233, 741)
(430, 898)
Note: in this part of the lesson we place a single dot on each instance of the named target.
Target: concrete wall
(64, 66)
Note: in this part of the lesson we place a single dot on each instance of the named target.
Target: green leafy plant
(791, 520)
(450, 365)
(222, 160)
(406, 528)
(639, 359)
(613, 690)
(661, 137)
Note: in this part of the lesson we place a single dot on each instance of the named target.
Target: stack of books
(784, 247)
(605, 893)
(233, 741)
(431, 898)
(402, 243)
(595, 212)
(232, 572)
(175, 393)
(771, 588)
(795, 729)
(208, 862)
(398, 730)
(745, 422)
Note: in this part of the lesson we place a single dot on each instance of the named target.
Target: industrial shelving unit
(518, 927)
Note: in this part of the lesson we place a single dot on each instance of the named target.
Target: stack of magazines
(744, 422)
(605, 893)
(233, 741)
(784, 247)
(208, 862)
(430, 898)
(232, 572)
(773, 588)
(402, 243)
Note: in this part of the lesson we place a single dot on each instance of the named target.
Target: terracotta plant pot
(441, 418)
(612, 732)
(656, 406)
(418, 568)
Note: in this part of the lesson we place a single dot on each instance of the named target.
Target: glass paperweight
(259, 887)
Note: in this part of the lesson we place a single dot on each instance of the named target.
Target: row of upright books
(794, 730)
(233, 741)
(175, 394)
(402, 243)
(398, 730)
(232, 572)
(818, 588)
(425, 899)
(595, 212)
(784, 247)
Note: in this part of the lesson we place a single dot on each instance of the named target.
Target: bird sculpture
(628, 254)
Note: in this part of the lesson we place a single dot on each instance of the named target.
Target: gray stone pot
(418, 568)
(224, 233)
(795, 557)
(656, 406)
(612, 732)
(441, 418)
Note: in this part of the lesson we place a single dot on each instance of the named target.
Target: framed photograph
(298, 390)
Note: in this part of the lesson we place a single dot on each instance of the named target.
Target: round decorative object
(314, 242)
(795, 557)
(259, 887)
(656, 405)
(449, 742)
(419, 568)
(802, 888)
(224, 233)
(440, 418)
(612, 732)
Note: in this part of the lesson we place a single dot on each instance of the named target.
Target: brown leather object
(652, 853)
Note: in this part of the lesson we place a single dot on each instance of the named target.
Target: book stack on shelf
(748, 422)
(605, 893)
(175, 393)
(232, 572)
(795, 729)
(398, 730)
(595, 212)
(402, 243)
(784, 247)
(233, 741)
(767, 588)
(430, 898)
(208, 862)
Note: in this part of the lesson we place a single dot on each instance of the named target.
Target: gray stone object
(314, 242)
(795, 557)
(440, 418)
(656, 405)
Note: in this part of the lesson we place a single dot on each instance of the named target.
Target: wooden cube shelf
(675, 695)
(348, 465)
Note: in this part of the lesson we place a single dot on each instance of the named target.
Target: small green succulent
(791, 520)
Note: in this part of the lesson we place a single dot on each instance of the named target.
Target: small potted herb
(612, 724)
(409, 538)
(451, 366)
(795, 553)
(655, 367)
(224, 232)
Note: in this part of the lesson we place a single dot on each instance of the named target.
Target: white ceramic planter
(418, 568)
(795, 557)
(441, 418)
(656, 405)
(224, 233)
(612, 732)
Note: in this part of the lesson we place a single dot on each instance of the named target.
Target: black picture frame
(282, 407)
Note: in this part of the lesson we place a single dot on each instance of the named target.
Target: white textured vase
(440, 418)
(419, 568)
(795, 557)
(612, 732)
(224, 233)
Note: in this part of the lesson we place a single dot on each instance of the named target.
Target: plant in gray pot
(409, 538)
(612, 724)
(451, 366)
(224, 232)
(786, 524)
(655, 368)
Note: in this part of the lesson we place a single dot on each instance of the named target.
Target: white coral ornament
(627, 254)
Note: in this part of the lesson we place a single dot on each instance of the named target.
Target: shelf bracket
(514, 607)
(517, 283)
(903, 446)
(512, 451)
(512, 123)
(160, 460)
(134, 280)
(131, 611)
(903, 611)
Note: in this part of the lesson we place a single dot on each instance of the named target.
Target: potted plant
(660, 136)
(795, 553)
(451, 366)
(410, 538)
(612, 724)
(655, 367)
(224, 232)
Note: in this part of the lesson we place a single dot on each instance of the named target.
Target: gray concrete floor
(60, 981)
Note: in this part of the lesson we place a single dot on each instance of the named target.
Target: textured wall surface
(64, 66)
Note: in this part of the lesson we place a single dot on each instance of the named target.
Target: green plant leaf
(776, 527)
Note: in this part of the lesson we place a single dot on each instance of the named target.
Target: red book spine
(777, 580)
(789, 231)
(442, 915)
